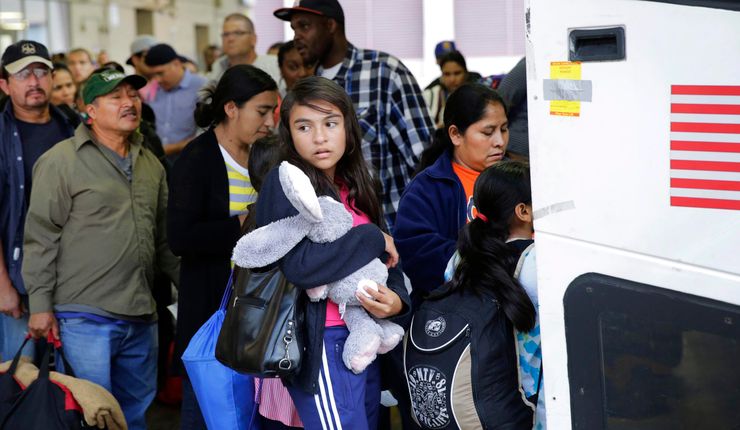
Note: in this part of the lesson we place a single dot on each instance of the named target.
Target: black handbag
(261, 334)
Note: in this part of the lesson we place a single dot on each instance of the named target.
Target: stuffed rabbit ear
(268, 244)
(299, 191)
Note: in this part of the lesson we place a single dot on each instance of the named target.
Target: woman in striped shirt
(209, 194)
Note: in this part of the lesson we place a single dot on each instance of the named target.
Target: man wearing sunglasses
(29, 126)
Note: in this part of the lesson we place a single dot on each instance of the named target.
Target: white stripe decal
(706, 156)
(333, 408)
(705, 174)
(321, 413)
(705, 194)
(709, 118)
(324, 405)
(706, 137)
(712, 100)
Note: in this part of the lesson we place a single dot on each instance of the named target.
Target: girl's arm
(311, 264)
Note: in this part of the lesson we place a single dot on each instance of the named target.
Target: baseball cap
(140, 44)
(20, 54)
(327, 8)
(162, 54)
(103, 82)
(444, 47)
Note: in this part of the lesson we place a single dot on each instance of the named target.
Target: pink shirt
(333, 319)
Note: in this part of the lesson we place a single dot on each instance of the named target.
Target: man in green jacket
(94, 232)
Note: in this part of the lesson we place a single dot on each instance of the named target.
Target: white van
(634, 131)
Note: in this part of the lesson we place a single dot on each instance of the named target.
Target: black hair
(465, 106)
(59, 66)
(351, 167)
(486, 262)
(264, 154)
(239, 84)
(110, 65)
(455, 57)
(284, 49)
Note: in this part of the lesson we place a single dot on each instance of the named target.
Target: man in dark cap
(95, 228)
(175, 99)
(29, 126)
(394, 119)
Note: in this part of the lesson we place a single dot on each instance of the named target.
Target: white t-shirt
(332, 71)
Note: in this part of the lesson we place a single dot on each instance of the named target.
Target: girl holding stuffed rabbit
(321, 136)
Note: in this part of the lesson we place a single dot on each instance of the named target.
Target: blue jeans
(12, 333)
(120, 357)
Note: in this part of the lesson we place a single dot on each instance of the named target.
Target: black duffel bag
(46, 404)
(261, 334)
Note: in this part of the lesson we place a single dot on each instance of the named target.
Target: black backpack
(10, 388)
(45, 404)
(461, 363)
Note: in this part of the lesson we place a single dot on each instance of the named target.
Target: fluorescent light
(11, 16)
(17, 26)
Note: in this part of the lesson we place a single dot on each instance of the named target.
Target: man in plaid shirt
(390, 108)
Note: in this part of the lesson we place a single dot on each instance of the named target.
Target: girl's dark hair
(284, 49)
(486, 262)
(465, 106)
(455, 57)
(60, 66)
(264, 154)
(238, 84)
(351, 168)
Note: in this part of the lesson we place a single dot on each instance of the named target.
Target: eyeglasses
(240, 33)
(40, 72)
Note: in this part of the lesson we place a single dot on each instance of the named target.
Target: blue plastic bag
(226, 397)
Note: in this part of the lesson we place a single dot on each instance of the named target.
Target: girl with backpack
(320, 134)
(466, 341)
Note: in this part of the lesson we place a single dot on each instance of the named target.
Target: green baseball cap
(101, 83)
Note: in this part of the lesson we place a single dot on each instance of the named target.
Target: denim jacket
(13, 204)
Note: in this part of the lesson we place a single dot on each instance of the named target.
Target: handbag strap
(17, 358)
(227, 293)
(257, 401)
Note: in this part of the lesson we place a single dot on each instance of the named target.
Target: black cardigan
(200, 230)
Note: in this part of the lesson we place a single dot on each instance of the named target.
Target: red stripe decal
(705, 184)
(705, 127)
(706, 90)
(717, 166)
(705, 108)
(683, 145)
(705, 203)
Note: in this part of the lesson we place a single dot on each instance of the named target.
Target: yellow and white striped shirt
(241, 192)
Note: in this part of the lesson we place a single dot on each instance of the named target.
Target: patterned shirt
(241, 192)
(393, 117)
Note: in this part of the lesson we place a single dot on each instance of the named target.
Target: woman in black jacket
(209, 195)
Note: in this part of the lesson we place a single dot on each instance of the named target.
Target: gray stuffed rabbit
(324, 220)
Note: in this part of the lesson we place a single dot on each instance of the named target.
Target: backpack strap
(522, 257)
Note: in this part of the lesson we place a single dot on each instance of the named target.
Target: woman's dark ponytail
(485, 259)
(204, 107)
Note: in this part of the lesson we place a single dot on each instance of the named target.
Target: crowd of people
(116, 189)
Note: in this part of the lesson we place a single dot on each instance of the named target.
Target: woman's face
(319, 137)
(484, 142)
(293, 68)
(254, 119)
(453, 75)
(63, 88)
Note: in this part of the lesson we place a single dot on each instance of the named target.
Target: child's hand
(390, 248)
(383, 304)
